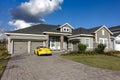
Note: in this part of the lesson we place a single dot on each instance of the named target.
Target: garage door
(35, 44)
(20, 47)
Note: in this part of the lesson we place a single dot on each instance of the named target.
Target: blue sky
(78, 13)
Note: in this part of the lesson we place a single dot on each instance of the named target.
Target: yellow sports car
(42, 51)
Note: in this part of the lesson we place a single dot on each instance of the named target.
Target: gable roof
(103, 26)
(89, 31)
(85, 31)
(37, 29)
(66, 24)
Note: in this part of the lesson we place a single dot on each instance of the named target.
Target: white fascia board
(81, 35)
(103, 26)
(66, 24)
(22, 34)
(57, 33)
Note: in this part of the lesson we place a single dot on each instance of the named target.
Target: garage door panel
(20, 47)
(35, 44)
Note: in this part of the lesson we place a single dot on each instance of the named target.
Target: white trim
(29, 46)
(66, 24)
(11, 51)
(96, 38)
(80, 35)
(57, 33)
(103, 26)
(86, 35)
(88, 43)
(22, 34)
(9, 44)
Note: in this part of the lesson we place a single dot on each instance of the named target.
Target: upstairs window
(66, 29)
(103, 32)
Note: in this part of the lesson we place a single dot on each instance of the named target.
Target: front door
(53, 43)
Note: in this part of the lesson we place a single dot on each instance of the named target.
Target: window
(66, 29)
(103, 41)
(103, 32)
(87, 42)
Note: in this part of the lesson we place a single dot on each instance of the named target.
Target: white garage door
(35, 44)
(20, 47)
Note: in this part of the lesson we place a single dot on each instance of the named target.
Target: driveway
(32, 67)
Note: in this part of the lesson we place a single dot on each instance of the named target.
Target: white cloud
(20, 24)
(33, 12)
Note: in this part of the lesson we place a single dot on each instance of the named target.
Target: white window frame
(88, 42)
(103, 39)
(103, 32)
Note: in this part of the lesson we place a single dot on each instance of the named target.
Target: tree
(2, 34)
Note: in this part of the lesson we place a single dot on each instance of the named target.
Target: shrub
(2, 47)
(81, 48)
(100, 48)
(90, 52)
(3, 52)
(112, 53)
(73, 52)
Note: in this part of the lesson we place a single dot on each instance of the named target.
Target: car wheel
(37, 53)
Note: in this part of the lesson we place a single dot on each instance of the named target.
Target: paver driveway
(32, 67)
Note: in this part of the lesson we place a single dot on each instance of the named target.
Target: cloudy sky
(16, 14)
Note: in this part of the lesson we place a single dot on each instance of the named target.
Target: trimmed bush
(81, 48)
(100, 48)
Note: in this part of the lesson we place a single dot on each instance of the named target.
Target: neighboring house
(116, 34)
(57, 37)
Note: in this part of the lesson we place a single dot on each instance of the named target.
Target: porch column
(29, 42)
(47, 41)
(11, 47)
(9, 44)
(61, 41)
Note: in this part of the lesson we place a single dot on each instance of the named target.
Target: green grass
(4, 58)
(100, 61)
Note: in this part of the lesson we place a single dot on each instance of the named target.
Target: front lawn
(100, 61)
(4, 57)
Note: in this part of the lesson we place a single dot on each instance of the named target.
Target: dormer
(66, 28)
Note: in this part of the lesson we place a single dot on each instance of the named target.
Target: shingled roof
(85, 31)
(37, 29)
(40, 28)
(115, 30)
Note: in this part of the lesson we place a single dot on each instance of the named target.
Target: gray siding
(106, 35)
(75, 46)
(91, 41)
(82, 40)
